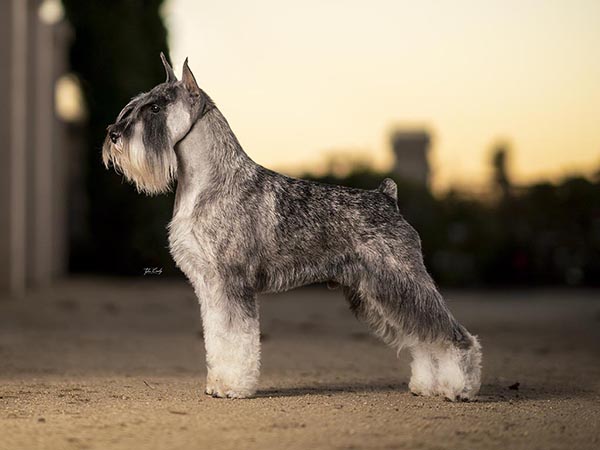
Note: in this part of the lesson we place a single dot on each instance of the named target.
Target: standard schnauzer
(239, 229)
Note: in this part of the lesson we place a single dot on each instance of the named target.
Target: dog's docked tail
(389, 188)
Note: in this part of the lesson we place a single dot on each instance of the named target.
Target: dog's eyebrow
(125, 113)
(131, 106)
(127, 110)
(152, 99)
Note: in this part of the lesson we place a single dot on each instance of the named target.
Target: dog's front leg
(232, 340)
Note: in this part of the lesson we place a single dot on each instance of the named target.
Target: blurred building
(33, 160)
(411, 148)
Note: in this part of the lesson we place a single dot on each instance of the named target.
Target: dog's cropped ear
(171, 78)
(189, 81)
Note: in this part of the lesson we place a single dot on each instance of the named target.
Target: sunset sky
(300, 80)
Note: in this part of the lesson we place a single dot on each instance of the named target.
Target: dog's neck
(210, 160)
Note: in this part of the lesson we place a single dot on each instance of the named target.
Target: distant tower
(410, 149)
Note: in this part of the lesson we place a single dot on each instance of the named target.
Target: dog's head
(140, 144)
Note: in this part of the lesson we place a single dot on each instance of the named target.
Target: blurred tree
(115, 54)
(501, 178)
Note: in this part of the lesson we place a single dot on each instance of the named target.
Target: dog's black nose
(114, 136)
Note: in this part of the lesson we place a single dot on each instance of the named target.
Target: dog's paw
(421, 389)
(454, 393)
(422, 382)
(223, 391)
(458, 398)
(209, 390)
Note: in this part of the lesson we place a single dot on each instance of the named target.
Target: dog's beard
(152, 172)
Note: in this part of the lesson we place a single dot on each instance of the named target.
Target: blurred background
(485, 113)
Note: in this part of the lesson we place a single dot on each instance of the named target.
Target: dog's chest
(191, 247)
(201, 240)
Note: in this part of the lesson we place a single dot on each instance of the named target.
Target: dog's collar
(208, 106)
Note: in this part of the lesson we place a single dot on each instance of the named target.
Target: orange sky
(298, 81)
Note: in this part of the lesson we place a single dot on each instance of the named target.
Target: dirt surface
(113, 364)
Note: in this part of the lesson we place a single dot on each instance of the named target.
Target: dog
(239, 229)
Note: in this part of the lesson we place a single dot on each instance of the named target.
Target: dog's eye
(155, 108)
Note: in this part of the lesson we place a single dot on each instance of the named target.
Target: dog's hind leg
(446, 357)
(424, 368)
(408, 311)
(448, 366)
(458, 367)
(232, 341)
(368, 311)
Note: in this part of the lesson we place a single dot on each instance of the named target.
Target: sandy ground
(114, 364)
